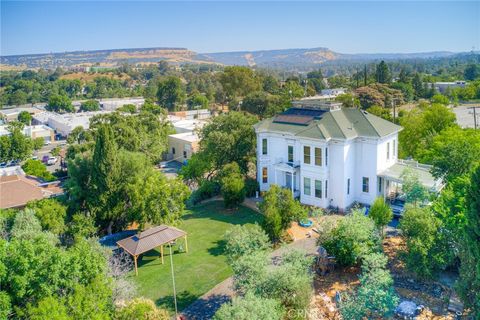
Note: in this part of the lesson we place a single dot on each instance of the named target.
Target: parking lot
(47, 151)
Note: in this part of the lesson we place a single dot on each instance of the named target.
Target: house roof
(17, 190)
(422, 171)
(344, 123)
(150, 239)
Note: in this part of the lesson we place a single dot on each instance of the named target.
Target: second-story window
(394, 147)
(348, 186)
(306, 154)
(388, 150)
(326, 189)
(290, 154)
(264, 146)
(318, 156)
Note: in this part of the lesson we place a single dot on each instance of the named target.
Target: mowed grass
(199, 270)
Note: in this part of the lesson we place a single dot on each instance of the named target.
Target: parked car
(51, 161)
(45, 159)
(3, 165)
(47, 142)
(34, 158)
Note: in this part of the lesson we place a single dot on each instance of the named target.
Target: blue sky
(347, 27)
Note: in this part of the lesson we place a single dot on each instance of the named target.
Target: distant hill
(264, 58)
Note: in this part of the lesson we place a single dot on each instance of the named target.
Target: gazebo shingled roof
(150, 239)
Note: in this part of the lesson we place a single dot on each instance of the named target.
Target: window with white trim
(307, 188)
(318, 189)
(306, 154)
(365, 182)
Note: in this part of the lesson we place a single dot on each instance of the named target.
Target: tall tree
(239, 81)
(469, 283)
(105, 173)
(171, 93)
(383, 73)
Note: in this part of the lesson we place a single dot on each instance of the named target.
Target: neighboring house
(184, 142)
(443, 86)
(182, 146)
(17, 189)
(333, 92)
(37, 131)
(331, 157)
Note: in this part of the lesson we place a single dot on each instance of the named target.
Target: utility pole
(365, 76)
(394, 113)
(173, 280)
(474, 116)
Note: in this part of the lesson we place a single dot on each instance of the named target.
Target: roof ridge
(375, 129)
(339, 127)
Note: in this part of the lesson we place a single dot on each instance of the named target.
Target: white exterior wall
(347, 159)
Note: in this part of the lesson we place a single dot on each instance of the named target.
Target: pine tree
(418, 86)
(383, 73)
(469, 282)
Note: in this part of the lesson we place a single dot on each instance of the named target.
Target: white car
(51, 160)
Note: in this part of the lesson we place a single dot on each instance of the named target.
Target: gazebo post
(136, 268)
(161, 252)
(186, 244)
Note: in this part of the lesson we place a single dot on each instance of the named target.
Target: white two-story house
(331, 156)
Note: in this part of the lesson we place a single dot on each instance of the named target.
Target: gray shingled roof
(150, 239)
(345, 123)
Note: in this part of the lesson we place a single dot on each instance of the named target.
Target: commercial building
(63, 124)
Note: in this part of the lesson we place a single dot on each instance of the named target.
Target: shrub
(280, 209)
(207, 190)
(354, 237)
(420, 229)
(232, 185)
(375, 297)
(141, 309)
(38, 169)
(250, 307)
(243, 240)
(380, 213)
(51, 214)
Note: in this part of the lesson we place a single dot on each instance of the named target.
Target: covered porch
(287, 175)
(390, 181)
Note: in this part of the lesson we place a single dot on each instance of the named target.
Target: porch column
(136, 268)
(161, 252)
(292, 183)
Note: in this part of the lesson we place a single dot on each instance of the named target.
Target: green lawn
(202, 267)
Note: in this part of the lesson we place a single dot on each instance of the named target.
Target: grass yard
(202, 267)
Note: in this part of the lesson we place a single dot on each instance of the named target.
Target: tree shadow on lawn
(205, 308)
(184, 299)
(216, 211)
(218, 249)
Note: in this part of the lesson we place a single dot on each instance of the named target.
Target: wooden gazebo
(150, 239)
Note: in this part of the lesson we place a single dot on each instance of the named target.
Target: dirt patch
(433, 295)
